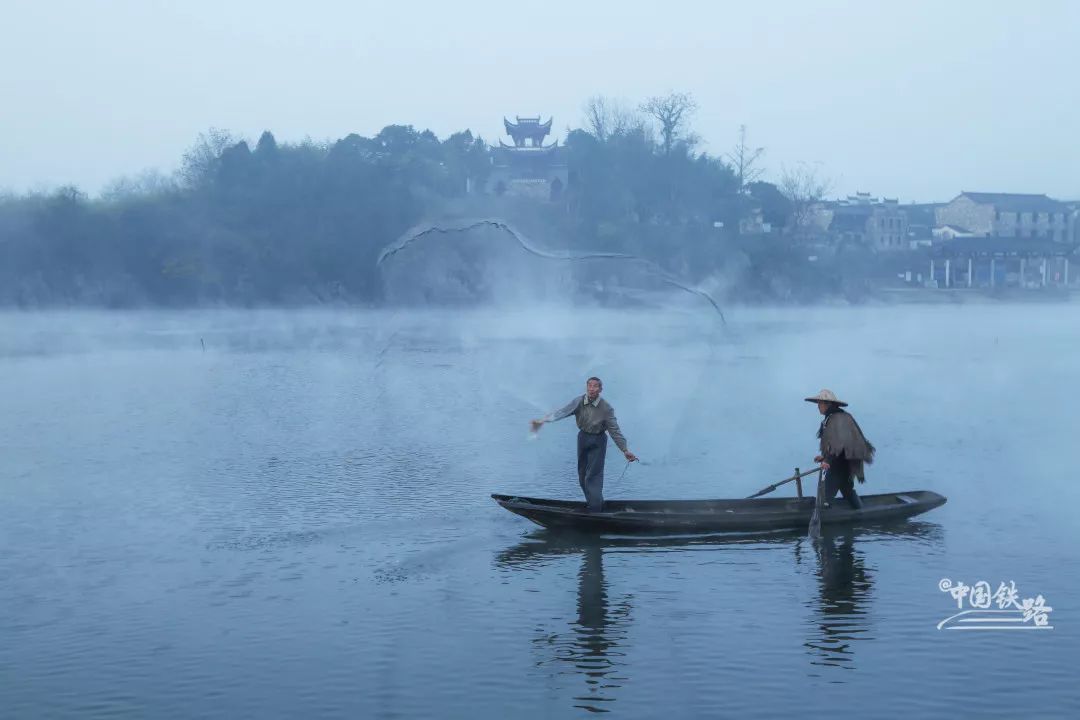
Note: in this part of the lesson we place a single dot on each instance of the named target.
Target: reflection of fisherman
(594, 647)
(844, 588)
(844, 448)
(593, 602)
(601, 627)
(594, 416)
(842, 579)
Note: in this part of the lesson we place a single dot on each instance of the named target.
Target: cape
(841, 436)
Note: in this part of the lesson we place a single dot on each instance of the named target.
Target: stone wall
(984, 219)
(888, 227)
(1025, 224)
(966, 213)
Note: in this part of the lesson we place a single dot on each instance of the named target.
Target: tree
(672, 112)
(804, 187)
(775, 207)
(466, 161)
(267, 146)
(397, 139)
(597, 117)
(607, 118)
(288, 222)
(744, 161)
(146, 183)
(200, 162)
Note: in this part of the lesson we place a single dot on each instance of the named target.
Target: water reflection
(840, 613)
(600, 633)
(844, 562)
(594, 645)
(844, 591)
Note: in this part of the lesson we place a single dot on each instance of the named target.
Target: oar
(814, 531)
(766, 491)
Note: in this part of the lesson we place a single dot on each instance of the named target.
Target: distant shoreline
(881, 297)
(981, 296)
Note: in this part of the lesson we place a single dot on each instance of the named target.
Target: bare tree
(744, 161)
(804, 187)
(202, 158)
(148, 182)
(598, 117)
(607, 117)
(626, 120)
(672, 112)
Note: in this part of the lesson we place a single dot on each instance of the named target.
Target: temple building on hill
(528, 168)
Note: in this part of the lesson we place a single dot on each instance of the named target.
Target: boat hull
(714, 516)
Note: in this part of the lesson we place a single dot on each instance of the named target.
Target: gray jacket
(594, 418)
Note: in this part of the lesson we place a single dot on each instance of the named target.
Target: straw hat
(826, 396)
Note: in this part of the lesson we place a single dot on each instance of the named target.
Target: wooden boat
(715, 516)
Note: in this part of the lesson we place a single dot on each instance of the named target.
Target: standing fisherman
(594, 416)
(844, 448)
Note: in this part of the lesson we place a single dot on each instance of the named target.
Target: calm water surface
(295, 521)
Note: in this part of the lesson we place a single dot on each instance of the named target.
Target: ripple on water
(297, 522)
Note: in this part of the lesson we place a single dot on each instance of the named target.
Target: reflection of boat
(540, 546)
(840, 618)
(543, 546)
(696, 516)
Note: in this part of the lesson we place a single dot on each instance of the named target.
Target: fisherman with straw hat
(844, 448)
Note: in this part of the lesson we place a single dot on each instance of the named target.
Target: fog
(278, 300)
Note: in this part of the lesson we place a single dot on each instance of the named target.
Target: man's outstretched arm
(564, 411)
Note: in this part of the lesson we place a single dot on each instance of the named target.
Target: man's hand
(630, 457)
(536, 425)
(821, 459)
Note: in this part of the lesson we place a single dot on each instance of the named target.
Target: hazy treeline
(281, 223)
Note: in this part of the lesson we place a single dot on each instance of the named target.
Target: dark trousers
(591, 450)
(838, 478)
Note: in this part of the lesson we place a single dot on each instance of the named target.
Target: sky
(916, 100)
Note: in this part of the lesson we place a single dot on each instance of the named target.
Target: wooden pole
(814, 530)
(798, 482)
(770, 488)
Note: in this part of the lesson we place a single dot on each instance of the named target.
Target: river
(287, 513)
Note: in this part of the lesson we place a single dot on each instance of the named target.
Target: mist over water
(282, 287)
(295, 520)
(646, 268)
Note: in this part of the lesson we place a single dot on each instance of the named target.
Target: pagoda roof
(527, 126)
